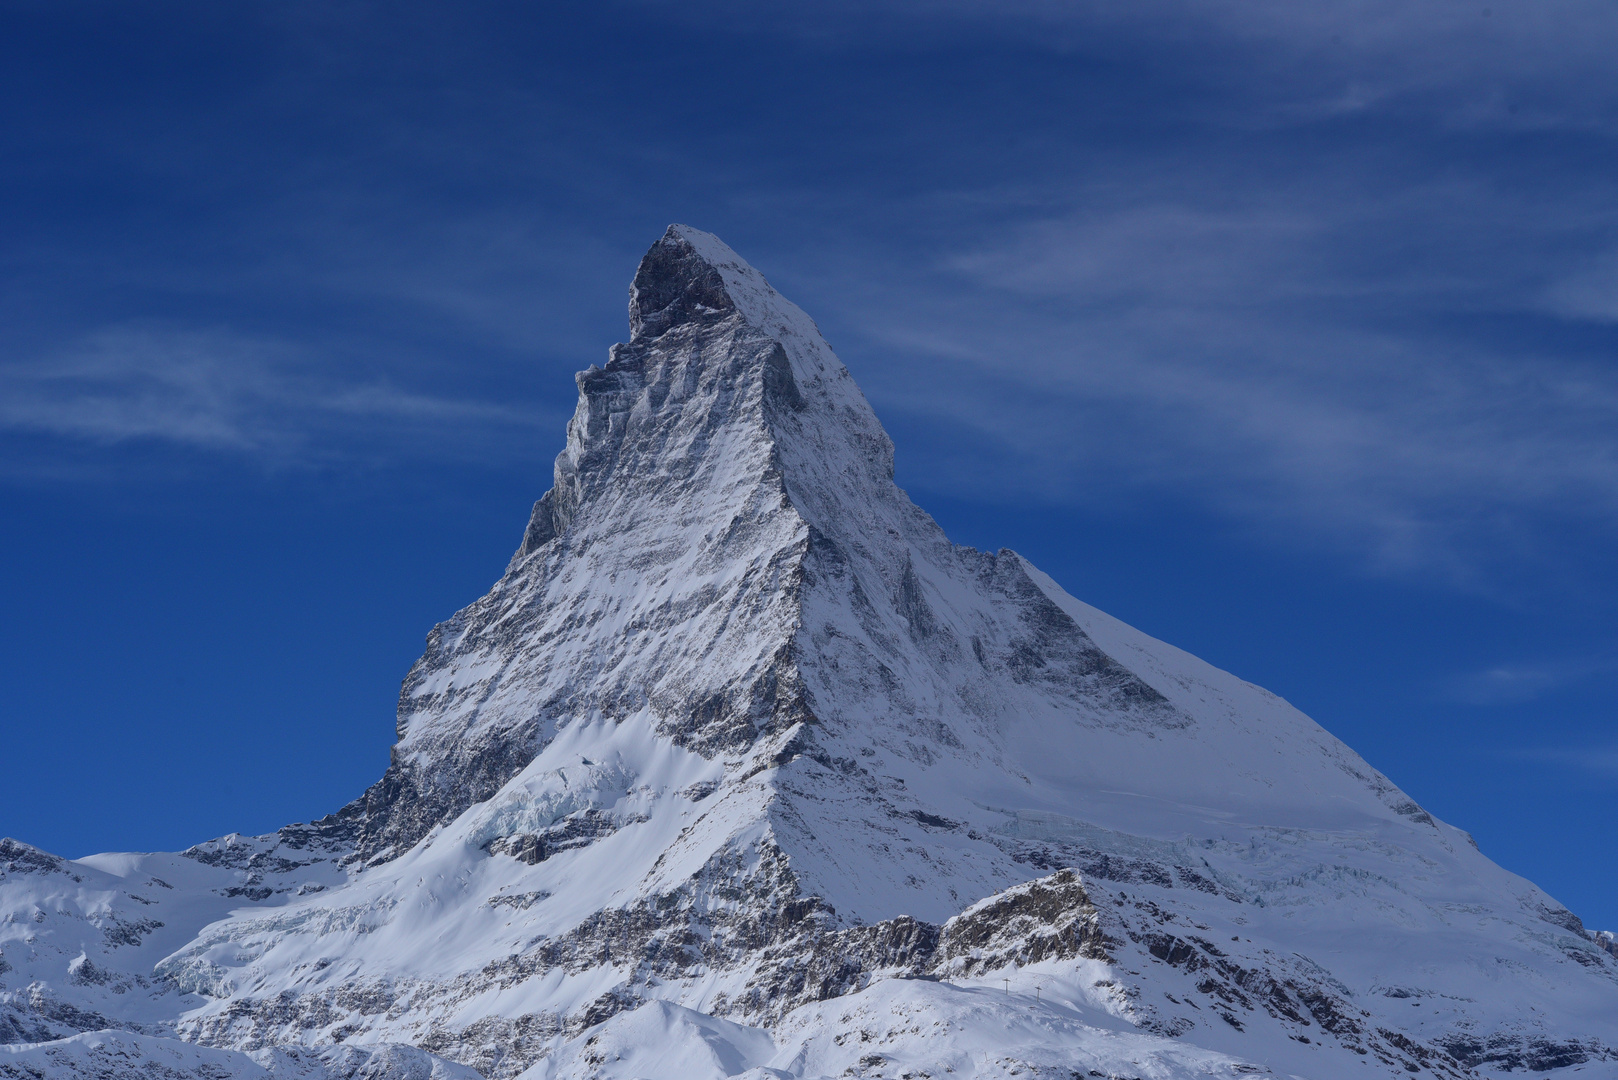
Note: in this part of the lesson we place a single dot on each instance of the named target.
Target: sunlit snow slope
(743, 767)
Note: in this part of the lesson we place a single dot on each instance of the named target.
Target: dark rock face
(408, 801)
(1050, 918)
(674, 286)
(19, 858)
(1053, 653)
(579, 829)
(1516, 1053)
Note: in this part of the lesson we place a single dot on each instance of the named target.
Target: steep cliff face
(661, 574)
(743, 765)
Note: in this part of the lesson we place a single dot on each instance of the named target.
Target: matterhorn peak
(693, 276)
(704, 462)
(679, 281)
(742, 768)
(715, 356)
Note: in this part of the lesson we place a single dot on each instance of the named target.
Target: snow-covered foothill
(123, 1055)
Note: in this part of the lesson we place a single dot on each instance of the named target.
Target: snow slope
(120, 1055)
(743, 768)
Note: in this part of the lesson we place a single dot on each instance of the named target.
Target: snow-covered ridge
(743, 767)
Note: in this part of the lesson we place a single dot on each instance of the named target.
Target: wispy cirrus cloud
(1338, 273)
(1270, 354)
(1599, 759)
(1268, 62)
(1523, 681)
(1587, 290)
(1276, 260)
(274, 403)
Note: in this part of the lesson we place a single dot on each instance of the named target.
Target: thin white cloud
(1516, 683)
(216, 391)
(1523, 64)
(1587, 291)
(1219, 325)
(1238, 355)
(1602, 760)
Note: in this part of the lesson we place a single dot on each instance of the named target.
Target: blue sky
(1284, 331)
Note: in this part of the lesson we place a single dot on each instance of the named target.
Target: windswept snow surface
(743, 769)
(122, 1055)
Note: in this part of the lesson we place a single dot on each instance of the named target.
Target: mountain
(742, 768)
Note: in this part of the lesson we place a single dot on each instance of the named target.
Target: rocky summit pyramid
(743, 769)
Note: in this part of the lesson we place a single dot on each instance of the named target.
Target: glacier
(742, 768)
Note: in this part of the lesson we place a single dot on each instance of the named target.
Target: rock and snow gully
(743, 769)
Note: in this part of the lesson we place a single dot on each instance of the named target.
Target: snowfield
(742, 769)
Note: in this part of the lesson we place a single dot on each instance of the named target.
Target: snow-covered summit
(742, 755)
